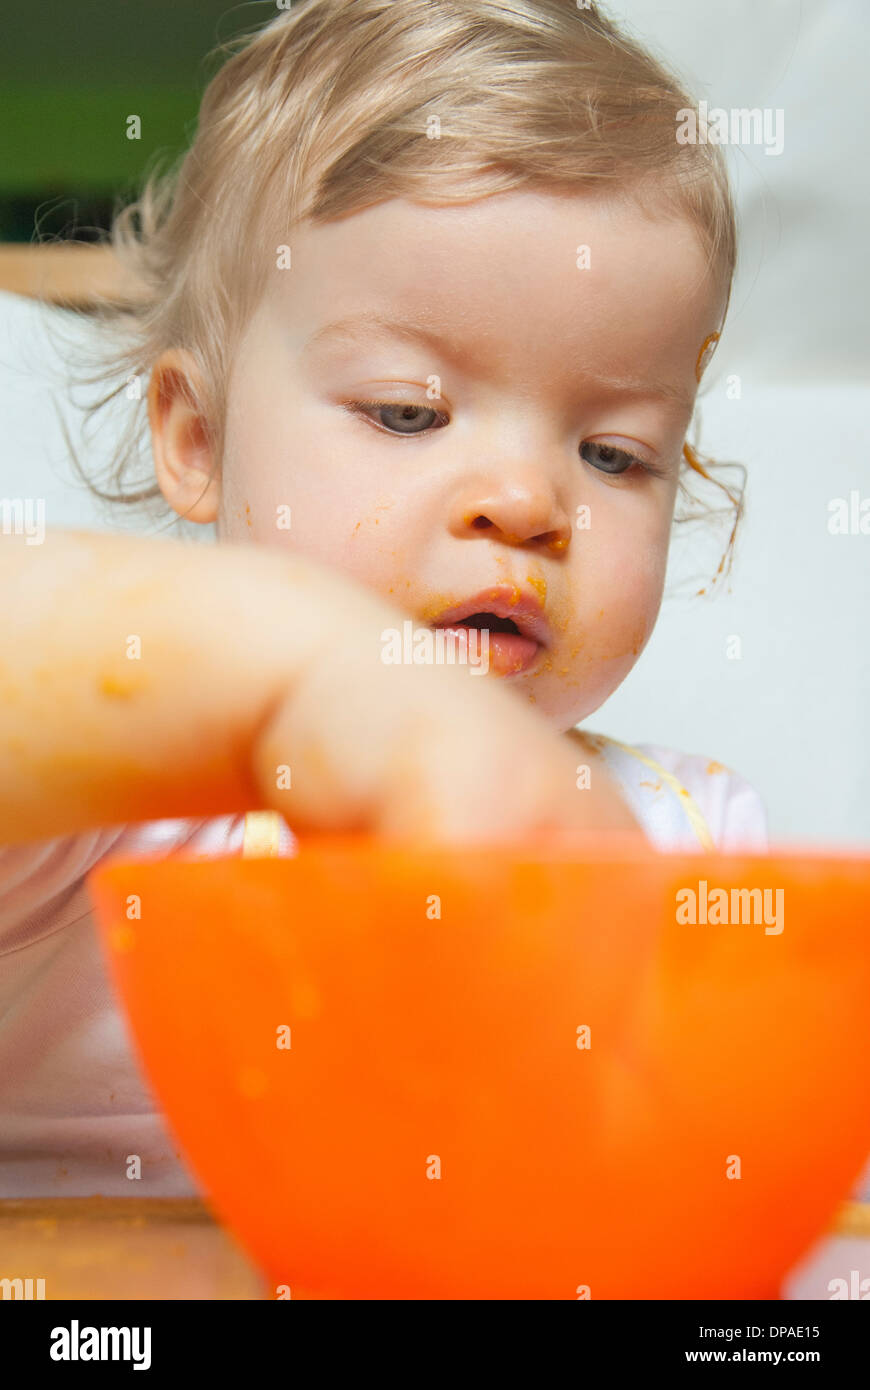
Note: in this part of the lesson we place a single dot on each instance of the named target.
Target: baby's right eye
(399, 417)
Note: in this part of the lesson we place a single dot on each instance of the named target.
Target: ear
(184, 461)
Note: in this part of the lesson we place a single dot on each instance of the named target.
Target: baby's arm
(142, 679)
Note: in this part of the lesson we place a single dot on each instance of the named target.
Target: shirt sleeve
(41, 884)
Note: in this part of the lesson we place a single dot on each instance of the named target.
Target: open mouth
(512, 628)
(491, 621)
(510, 651)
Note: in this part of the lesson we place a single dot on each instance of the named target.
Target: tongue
(509, 652)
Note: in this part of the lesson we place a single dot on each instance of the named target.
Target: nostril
(480, 523)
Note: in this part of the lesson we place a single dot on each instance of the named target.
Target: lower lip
(509, 653)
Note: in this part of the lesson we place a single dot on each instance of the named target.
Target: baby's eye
(399, 417)
(610, 459)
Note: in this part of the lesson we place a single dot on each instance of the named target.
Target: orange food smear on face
(435, 606)
(539, 586)
(546, 665)
(714, 767)
(432, 610)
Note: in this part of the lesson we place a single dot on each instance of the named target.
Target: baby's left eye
(610, 459)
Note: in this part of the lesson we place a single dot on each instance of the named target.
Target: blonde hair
(331, 108)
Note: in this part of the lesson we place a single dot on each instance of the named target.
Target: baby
(422, 315)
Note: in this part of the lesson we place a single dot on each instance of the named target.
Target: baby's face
(524, 454)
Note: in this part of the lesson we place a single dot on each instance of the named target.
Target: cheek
(620, 582)
(280, 484)
(340, 510)
(637, 573)
(257, 473)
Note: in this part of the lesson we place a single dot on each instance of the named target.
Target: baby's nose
(516, 517)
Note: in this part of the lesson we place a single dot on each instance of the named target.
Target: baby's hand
(146, 679)
(420, 752)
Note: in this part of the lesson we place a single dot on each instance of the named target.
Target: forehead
(533, 280)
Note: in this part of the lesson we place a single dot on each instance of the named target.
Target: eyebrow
(370, 325)
(367, 325)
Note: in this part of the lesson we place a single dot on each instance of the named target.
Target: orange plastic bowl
(442, 1125)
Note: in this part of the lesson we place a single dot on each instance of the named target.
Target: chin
(566, 700)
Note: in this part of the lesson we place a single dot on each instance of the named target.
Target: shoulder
(731, 806)
(683, 799)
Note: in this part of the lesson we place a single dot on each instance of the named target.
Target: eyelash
(360, 407)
